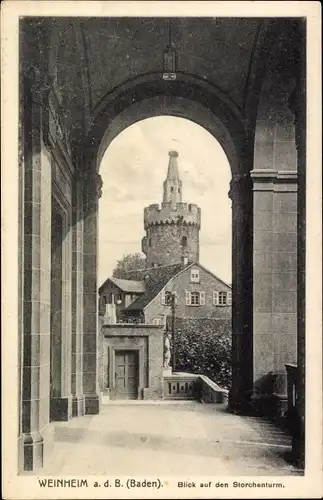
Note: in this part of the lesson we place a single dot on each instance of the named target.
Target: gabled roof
(131, 286)
(149, 282)
(155, 279)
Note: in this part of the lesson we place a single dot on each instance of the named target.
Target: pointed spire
(172, 184)
(172, 172)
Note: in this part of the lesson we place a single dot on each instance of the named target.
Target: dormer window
(195, 276)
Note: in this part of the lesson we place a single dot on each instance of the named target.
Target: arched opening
(169, 106)
(140, 152)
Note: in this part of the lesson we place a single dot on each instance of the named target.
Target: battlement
(184, 213)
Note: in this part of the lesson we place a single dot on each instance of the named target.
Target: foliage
(129, 262)
(203, 346)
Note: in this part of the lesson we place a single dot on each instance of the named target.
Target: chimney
(110, 317)
(184, 261)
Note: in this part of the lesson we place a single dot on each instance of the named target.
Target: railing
(208, 391)
(179, 386)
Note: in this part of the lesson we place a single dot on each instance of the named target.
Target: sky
(133, 169)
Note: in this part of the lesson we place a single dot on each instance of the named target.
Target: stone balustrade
(180, 386)
(208, 391)
(193, 387)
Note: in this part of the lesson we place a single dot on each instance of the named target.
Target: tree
(203, 346)
(129, 262)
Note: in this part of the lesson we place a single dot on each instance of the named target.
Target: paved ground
(168, 439)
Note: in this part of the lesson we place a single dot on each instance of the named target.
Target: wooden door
(126, 375)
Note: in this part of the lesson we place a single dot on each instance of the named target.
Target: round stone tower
(172, 229)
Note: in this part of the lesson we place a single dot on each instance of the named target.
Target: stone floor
(168, 438)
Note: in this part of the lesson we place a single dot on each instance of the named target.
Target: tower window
(179, 190)
(149, 242)
(171, 189)
(184, 241)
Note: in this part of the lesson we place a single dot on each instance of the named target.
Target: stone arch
(149, 95)
(194, 99)
(171, 106)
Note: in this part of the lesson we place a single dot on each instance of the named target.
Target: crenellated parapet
(168, 213)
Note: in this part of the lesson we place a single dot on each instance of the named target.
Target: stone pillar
(274, 280)
(77, 300)
(61, 308)
(241, 196)
(36, 244)
(92, 190)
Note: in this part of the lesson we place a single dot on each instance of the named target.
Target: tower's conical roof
(172, 172)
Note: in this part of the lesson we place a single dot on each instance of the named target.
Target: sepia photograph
(159, 341)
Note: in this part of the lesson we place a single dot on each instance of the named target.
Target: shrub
(203, 346)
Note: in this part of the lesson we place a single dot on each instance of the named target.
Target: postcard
(162, 249)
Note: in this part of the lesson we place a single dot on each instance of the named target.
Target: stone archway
(202, 104)
(48, 129)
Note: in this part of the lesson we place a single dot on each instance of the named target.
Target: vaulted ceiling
(217, 50)
(106, 52)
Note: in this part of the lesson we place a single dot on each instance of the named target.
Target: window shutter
(215, 298)
(229, 298)
(202, 298)
(188, 298)
(163, 299)
(176, 297)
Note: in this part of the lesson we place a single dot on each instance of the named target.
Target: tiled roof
(131, 286)
(155, 279)
(149, 282)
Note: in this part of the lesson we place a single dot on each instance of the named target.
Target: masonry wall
(149, 341)
(51, 325)
(163, 244)
(275, 230)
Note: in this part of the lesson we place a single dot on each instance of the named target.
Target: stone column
(77, 300)
(274, 280)
(61, 308)
(241, 196)
(92, 190)
(275, 242)
(36, 287)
